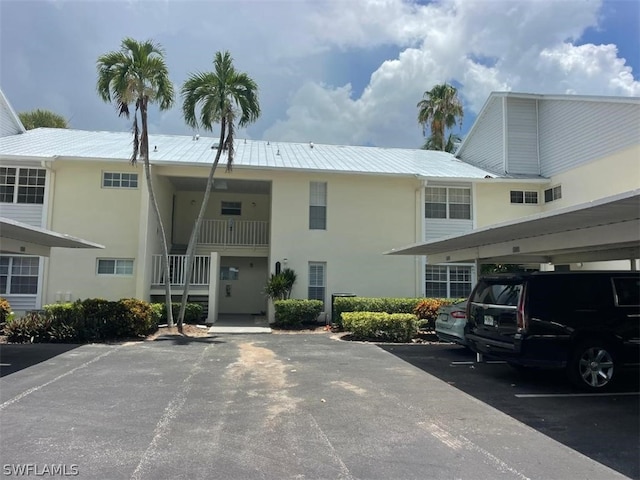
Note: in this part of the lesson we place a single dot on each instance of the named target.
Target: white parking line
(473, 362)
(559, 395)
(73, 370)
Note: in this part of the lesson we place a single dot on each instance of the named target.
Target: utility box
(333, 300)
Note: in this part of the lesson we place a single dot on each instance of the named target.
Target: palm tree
(223, 95)
(42, 118)
(433, 143)
(440, 109)
(137, 75)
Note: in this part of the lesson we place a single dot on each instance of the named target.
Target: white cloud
(484, 46)
(290, 47)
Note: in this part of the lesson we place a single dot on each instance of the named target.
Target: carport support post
(478, 266)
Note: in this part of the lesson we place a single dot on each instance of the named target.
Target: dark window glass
(530, 197)
(317, 218)
(517, 197)
(231, 208)
(627, 291)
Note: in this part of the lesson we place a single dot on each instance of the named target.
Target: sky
(346, 72)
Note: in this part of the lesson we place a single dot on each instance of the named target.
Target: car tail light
(523, 321)
(459, 314)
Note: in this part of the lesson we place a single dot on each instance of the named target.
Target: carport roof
(604, 229)
(21, 232)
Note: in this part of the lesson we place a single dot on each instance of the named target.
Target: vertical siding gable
(9, 123)
(486, 148)
(522, 136)
(575, 132)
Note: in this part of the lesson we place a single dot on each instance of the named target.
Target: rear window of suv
(627, 291)
(502, 293)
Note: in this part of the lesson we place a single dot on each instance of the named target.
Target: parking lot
(603, 426)
(301, 406)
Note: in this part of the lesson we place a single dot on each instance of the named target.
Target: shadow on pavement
(186, 340)
(604, 427)
(15, 357)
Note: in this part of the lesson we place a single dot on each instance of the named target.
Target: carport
(601, 230)
(23, 239)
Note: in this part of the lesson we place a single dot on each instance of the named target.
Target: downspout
(420, 260)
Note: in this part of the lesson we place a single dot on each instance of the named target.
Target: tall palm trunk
(195, 233)
(156, 211)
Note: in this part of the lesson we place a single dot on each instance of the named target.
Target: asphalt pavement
(300, 406)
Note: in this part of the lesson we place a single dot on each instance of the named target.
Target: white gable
(10, 124)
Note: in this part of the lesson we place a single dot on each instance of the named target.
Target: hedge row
(380, 326)
(293, 313)
(92, 320)
(425, 309)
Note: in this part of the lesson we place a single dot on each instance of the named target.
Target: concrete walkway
(230, 323)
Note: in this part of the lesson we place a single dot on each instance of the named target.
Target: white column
(214, 275)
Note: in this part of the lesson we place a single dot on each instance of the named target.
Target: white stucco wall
(493, 202)
(81, 207)
(615, 173)
(366, 215)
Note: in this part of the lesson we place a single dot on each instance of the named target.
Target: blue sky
(334, 71)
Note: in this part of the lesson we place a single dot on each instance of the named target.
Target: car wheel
(592, 366)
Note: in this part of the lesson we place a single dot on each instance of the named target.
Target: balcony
(236, 233)
(177, 270)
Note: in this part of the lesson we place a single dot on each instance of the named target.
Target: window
(22, 185)
(318, 206)
(518, 196)
(317, 281)
(115, 266)
(19, 275)
(231, 208)
(627, 291)
(552, 194)
(448, 202)
(447, 281)
(229, 273)
(119, 180)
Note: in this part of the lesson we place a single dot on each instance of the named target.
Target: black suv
(585, 322)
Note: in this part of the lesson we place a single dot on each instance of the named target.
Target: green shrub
(387, 305)
(5, 310)
(28, 329)
(293, 313)
(427, 311)
(380, 326)
(38, 328)
(372, 304)
(135, 319)
(192, 313)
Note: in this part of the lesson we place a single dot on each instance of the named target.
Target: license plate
(488, 320)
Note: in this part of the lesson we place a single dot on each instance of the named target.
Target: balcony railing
(177, 270)
(240, 233)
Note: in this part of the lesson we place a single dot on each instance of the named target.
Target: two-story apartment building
(328, 212)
